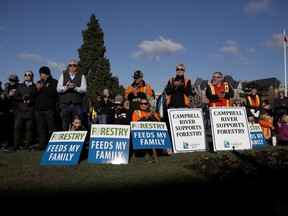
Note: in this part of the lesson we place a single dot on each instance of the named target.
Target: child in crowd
(250, 117)
(120, 111)
(76, 124)
(266, 123)
(282, 131)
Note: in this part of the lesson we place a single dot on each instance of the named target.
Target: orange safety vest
(255, 102)
(223, 102)
(186, 99)
(146, 89)
(138, 114)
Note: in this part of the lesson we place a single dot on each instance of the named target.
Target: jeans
(67, 111)
(102, 119)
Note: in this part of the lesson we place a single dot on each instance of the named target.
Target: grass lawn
(250, 181)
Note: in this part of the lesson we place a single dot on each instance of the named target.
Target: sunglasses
(30, 75)
(216, 77)
(72, 65)
(180, 69)
(143, 103)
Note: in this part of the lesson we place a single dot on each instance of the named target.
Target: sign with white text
(150, 135)
(187, 130)
(109, 143)
(230, 128)
(64, 148)
(256, 135)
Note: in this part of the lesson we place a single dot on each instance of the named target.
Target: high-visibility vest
(145, 89)
(255, 102)
(223, 101)
(186, 99)
(138, 114)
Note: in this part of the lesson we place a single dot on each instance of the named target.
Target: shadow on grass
(228, 197)
(227, 184)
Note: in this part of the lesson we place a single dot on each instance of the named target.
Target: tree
(261, 88)
(93, 63)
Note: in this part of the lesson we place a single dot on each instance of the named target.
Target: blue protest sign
(149, 135)
(256, 135)
(109, 144)
(64, 148)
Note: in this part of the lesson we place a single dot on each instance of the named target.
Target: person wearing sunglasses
(145, 113)
(219, 92)
(72, 87)
(25, 112)
(178, 89)
(9, 105)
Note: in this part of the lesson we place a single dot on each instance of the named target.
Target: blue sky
(243, 38)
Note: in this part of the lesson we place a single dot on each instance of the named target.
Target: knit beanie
(45, 70)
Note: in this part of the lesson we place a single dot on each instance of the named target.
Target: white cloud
(157, 48)
(257, 6)
(277, 42)
(250, 50)
(38, 58)
(31, 56)
(230, 48)
(243, 60)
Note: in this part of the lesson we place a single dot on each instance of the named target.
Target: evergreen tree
(93, 63)
(261, 89)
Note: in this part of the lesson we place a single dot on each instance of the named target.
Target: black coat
(46, 98)
(25, 109)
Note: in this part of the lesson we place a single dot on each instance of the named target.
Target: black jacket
(25, 109)
(46, 97)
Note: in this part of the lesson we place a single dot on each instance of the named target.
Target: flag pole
(285, 76)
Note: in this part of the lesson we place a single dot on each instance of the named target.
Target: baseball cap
(13, 77)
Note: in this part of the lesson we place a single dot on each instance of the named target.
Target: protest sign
(149, 135)
(256, 135)
(64, 148)
(229, 127)
(109, 143)
(187, 130)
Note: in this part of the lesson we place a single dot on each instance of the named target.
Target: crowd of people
(34, 110)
